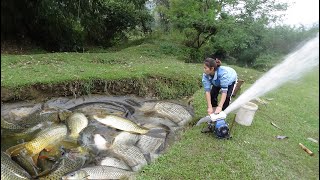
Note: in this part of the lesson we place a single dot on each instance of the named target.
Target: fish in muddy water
(70, 162)
(120, 123)
(76, 123)
(131, 155)
(44, 138)
(99, 172)
(11, 170)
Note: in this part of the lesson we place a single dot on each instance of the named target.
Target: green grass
(252, 153)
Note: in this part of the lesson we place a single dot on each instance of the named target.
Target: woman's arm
(209, 105)
(222, 100)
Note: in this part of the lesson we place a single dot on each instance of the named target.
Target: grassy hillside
(253, 153)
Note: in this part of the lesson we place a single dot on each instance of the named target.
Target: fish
(47, 115)
(149, 144)
(131, 155)
(76, 123)
(70, 162)
(126, 138)
(44, 138)
(29, 132)
(26, 162)
(120, 123)
(175, 112)
(159, 121)
(101, 142)
(11, 126)
(114, 162)
(11, 170)
(99, 172)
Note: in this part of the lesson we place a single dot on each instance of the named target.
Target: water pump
(219, 126)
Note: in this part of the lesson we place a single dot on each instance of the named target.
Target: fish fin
(15, 150)
(155, 133)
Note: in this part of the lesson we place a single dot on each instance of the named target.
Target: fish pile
(83, 143)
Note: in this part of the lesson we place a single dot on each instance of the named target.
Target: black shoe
(206, 130)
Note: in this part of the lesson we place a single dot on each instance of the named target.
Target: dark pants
(214, 96)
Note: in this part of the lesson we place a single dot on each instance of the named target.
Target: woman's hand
(210, 110)
(218, 110)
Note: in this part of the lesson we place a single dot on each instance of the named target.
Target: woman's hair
(212, 63)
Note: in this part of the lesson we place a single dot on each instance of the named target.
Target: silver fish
(175, 112)
(99, 172)
(149, 144)
(100, 142)
(132, 155)
(11, 170)
(126, 138)
(114, 162)
(120, 123)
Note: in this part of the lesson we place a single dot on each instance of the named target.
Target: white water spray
(293, 67)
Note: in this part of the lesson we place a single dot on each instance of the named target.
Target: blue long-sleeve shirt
(223, 77)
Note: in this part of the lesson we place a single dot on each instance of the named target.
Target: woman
(214, 79)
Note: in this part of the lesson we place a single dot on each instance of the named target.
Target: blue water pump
(219, 128)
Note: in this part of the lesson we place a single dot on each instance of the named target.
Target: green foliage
(69, 25)
(266, 61)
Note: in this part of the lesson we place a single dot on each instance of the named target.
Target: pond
(93, 137)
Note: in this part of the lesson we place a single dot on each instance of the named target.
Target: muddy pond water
(93, 137)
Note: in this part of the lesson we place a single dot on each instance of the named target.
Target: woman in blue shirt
(214, 79)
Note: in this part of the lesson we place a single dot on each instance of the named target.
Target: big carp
(44, 138)
(120, 123)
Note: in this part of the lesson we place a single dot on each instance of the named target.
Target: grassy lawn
(253, 153)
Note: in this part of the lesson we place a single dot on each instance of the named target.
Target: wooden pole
(306, 149)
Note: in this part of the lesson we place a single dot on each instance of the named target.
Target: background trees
(243, 29)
